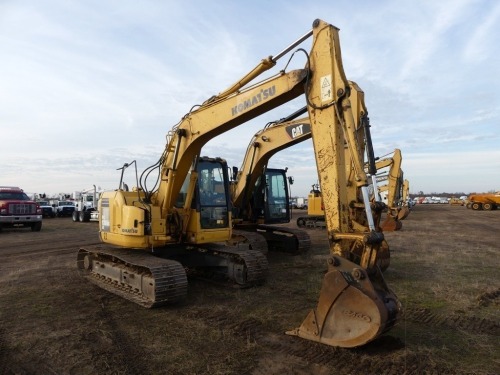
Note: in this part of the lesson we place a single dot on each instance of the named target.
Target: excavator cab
(278, 200)
(211, 194)
(270, 199)
(209, 216)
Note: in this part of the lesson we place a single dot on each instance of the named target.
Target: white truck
(301, 203)
(62, 207)
(298, 203)
(86, 208)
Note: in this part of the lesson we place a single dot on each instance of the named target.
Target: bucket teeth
(351, 311)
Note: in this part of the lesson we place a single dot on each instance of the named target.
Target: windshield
(213, 201)
(6, 196)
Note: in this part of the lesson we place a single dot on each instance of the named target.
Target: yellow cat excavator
(260, 195)
(270, 184)
(152, 235)
(255, 186)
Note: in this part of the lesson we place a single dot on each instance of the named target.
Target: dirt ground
(444, 268)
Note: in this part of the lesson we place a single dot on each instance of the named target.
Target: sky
(86, 86)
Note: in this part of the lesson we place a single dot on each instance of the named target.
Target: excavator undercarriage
(152, 280)
(273, 238)
(284, 239)
(134, 275)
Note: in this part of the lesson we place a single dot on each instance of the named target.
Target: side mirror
(290, 180)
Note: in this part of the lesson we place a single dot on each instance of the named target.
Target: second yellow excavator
(260, 195)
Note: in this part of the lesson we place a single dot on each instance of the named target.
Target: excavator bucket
(384, 256)
(351, 311)
(391, 223)
(403, 213)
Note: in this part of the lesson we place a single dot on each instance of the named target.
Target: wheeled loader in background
(485, 201)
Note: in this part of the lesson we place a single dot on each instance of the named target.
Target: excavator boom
(355, 305)
(263, 146)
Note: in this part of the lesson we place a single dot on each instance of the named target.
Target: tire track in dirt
(469, 324)
(385, 355)
(57, 234)
(3, 352)
(52, 251)
(487, 298)
(39, 246)
(11, 364)
(122, 354)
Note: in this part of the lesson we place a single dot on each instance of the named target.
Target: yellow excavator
(393, 190)
(152, 235)
(406, 193)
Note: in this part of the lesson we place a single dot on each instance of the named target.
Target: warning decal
(326, 88)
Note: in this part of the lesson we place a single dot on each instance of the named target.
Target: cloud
(88, 86)
(482, 43)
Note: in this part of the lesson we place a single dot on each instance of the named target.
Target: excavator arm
(357, 142)
(406, 191)
(355, 305)
(232, 107)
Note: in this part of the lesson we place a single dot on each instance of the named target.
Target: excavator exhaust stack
(352, 310)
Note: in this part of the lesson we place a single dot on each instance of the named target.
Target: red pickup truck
(19, 210)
